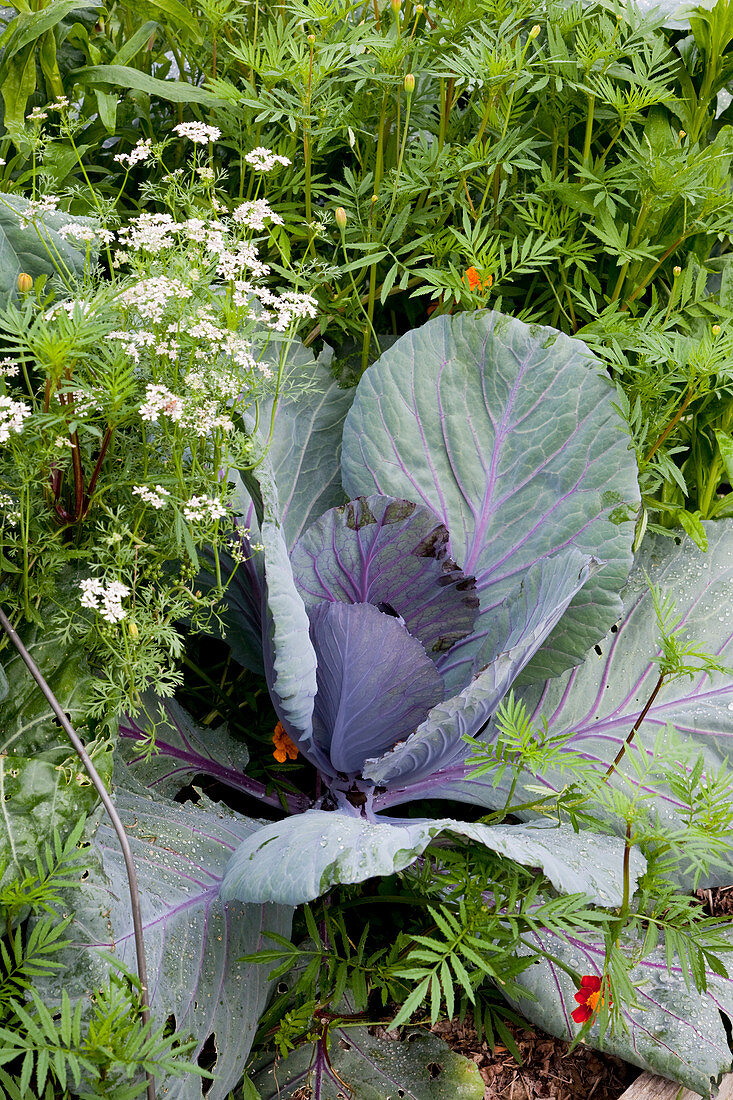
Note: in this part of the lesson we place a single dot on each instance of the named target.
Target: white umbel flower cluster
(140, 152)
(198, 132)
(255, 213)
(264, 160)
(160, 402)
(12, 415)
(104, 598)
(155, 497)
(204, 509)
(149, 297)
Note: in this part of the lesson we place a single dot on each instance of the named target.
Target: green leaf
(193, 940)
(35, 249)
(29, 26)
(725, 447)
(509, 432)
(119, 76)
(17, 84)
(43, 785)
(692, 524)
(178, 14)
(420, 1067)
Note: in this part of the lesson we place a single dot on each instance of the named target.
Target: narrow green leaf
(175, 91)
(412, 1003)
(178, 14)
(434, 999)
(29, 26)
(725, 447)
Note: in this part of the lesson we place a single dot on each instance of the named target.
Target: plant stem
(588, 129)
(635, 729)
(401, 155)
(625, 870)
(671, 426)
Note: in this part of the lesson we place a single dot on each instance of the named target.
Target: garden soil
(549, 1071)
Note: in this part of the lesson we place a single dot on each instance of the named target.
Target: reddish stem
(619, 755)
(102, 452)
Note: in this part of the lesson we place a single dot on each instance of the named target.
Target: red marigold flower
(588, 997)
(284, 747)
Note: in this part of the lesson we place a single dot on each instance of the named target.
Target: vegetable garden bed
(366, 455)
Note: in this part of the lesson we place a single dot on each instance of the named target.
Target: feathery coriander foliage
(127, 401)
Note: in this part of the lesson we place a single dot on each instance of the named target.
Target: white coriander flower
(91, 591)
(155, 497)
(244, 257)
(10, 510)
(8, 367)
(36, 208)
(12, 415)
(255, 213)
(160, 402)
(150, 296)
(77, 232)
(134, 340)
(140, 152)
(204, 509)
(198, 132)
(36, 115)
(264, 160)
(205, 173)
(107, 599)
(149, 233)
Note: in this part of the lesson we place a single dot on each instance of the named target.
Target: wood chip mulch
(718, 901)
(547, 1072)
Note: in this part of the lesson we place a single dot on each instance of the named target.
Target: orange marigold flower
(588, 997)
(474, 280)
(284, 747)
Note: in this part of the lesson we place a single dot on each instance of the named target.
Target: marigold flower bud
(25, 283)
(419, 9)
(396, 5)
(311, 38)
(676, 270)
(133, 630)
(683, 134)
(716, 330)
(340, 216)
(535, 31)
(409, 83)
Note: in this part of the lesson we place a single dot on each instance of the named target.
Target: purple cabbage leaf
(675, 1031)
(393, 554)
(193, 939)
(597, 704)
(361, 621)
(509, 433)
(303, 460)
(300, 858)
(183, 750)
(306, 439)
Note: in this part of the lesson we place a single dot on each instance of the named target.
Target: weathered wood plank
(650, 1087)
